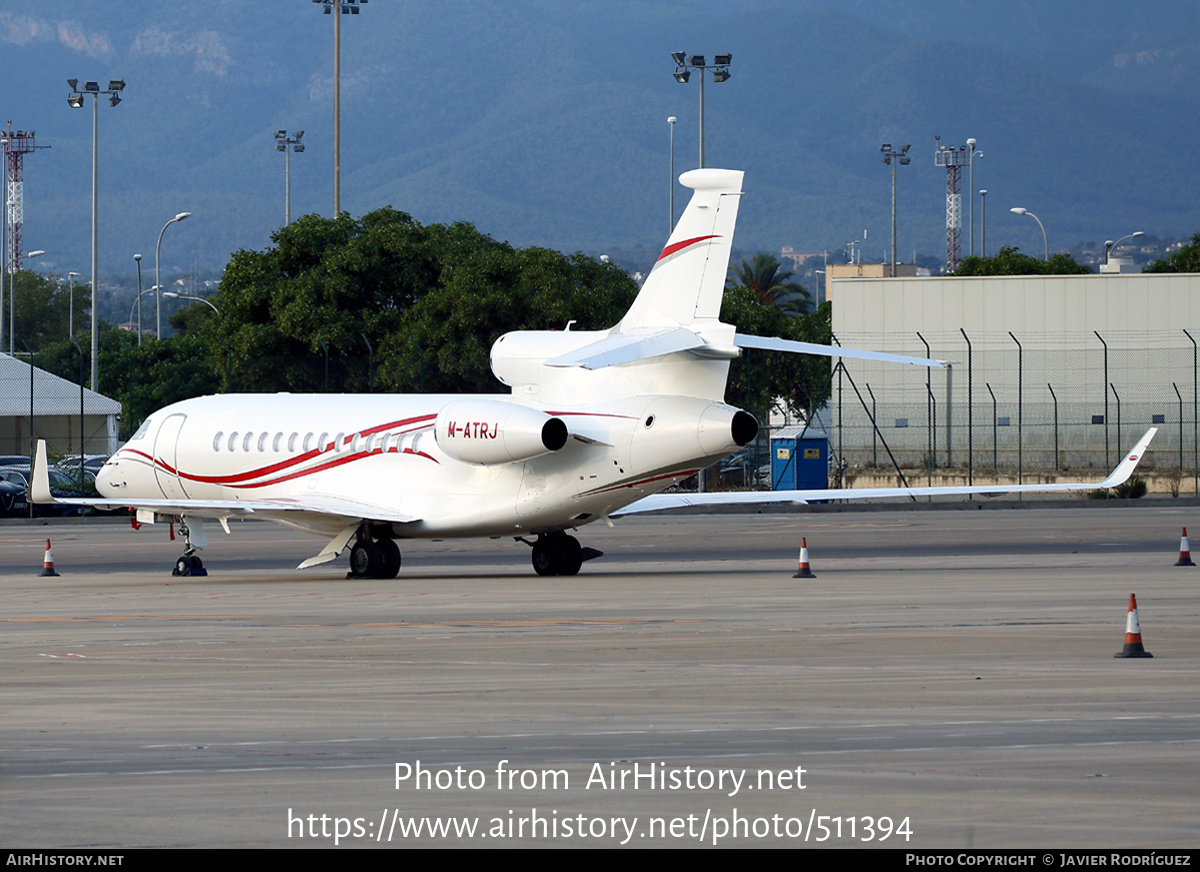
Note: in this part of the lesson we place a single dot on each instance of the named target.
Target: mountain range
(544, 122)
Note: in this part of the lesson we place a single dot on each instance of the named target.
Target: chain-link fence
(1035, 403)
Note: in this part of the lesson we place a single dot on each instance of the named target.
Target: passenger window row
(376, 442)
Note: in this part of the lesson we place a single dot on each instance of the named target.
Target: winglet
(1126, 467)
(39, 488)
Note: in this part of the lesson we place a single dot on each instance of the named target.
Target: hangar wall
(1028, 386)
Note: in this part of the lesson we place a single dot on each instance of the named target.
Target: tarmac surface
(947, 679)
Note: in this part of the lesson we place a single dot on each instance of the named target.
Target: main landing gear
(374, 558)
(190, 563)
(559, 554)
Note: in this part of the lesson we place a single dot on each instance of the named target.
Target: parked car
(61, 485)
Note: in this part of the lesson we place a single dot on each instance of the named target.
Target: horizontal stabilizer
(771, 343)
(660, 502)
(627, 347)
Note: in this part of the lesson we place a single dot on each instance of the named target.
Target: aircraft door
(166, 452)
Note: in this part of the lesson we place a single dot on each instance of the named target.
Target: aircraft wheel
(545, 556)
(390, 552)
(183, 567)
(570, 555)
(366, 560)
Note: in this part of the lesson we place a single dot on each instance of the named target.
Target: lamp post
(1017, 210)
(683, 71)
(157, 275)
(288, 144)
(983, 222)
(971, 187)
(172, 295)
(671, 224)
(138, 259)
(893, 157)
(345, 7)
(137, 304)
(12, 302)
(75, 101)
(1110, 247)
(71, 315)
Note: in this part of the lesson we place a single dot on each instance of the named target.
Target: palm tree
(770, 285)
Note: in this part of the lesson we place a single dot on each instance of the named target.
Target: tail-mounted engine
(487, 432)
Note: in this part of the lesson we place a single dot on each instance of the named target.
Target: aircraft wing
(659, 502)
(277, 506)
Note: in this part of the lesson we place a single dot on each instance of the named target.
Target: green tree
(1010, 262)
(430, 300)
(763, 277)
(42, 310)
(1186, 259)
(761, 377)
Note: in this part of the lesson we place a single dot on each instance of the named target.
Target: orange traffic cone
(1133, 634)
(803, 571)
(48, 561)
(1185, 551)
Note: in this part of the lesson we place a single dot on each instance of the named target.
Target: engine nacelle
(487, 432)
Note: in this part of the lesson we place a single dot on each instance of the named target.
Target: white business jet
(596, 425)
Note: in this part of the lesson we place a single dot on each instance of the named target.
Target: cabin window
(308, 438)
(217, 440)
(323, 443)
(292, 442)
(233, 439)
(278, 443)
(246, 441)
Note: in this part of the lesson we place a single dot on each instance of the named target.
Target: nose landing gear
(190, 563)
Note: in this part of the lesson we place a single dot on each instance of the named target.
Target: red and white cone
(803, 570)
(1185, 551)
(48, 561)
(1133, 634)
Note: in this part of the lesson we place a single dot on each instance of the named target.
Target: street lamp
(683, 71)
(172, 295)
(138, 260)
(671, 225)
(893, 157)
(137, 304)
(71, 315)
(157, 275)
(1017, 210)
(346, 7)
(983, 222)
(287, 145)
(75, 101)
(971, 187)
(12, 299)
(1110, 247)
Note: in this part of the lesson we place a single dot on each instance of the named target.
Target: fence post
(1107, 462)
(1020, 411)
(970, 407)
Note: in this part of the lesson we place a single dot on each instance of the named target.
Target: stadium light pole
(893, 157)
(182, 216)
(971, 187)
(288, 144)
(75, 101)
(345, 7)
(683, 72)
(1017, 210)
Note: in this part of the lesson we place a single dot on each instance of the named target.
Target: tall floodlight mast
(953, 159)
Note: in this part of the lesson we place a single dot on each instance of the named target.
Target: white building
(1084, 361)
(53, 406)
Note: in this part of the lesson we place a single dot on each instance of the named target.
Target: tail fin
(688, 280)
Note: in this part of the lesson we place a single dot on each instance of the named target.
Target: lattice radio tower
(953, 159)
(15, 144)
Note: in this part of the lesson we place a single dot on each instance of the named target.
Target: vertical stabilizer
(688, 280)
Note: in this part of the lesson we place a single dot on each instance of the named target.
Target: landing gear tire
(557, 554)
(391, 558)
(188, 565)
(366, 560)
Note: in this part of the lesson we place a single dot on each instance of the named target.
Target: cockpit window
(141, 431)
